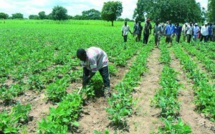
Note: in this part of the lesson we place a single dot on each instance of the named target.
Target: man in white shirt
(95, 59)
(204, 33)
(125, 30)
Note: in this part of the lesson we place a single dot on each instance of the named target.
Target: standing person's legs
(144, 38)
(125, 38)
(106, 80)
(201, 38)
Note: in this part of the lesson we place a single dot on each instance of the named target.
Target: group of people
(95, 59)
(189, 31)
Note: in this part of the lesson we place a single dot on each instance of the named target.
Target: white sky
(74, 7)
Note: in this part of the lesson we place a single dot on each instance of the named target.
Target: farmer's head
(81, 54)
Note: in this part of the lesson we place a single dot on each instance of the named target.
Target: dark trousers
(205, 38)
(178, 38)
(145, 38)
(103, 72)
(188, 38)
(125, 38)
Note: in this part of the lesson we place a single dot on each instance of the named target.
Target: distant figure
(195, 32)
(157, 33)
(210, 32)
(147, 31)
(184, 31)
(95, 59)
(189, 32)
(169, 32)
(125, 30)
(177, 32)
(137, 30)
(204, 32)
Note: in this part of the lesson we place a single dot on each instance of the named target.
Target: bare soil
(198, 123)
(146, 120)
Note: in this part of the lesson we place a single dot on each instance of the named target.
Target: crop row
(167, 97)
(204, 92)
(121, 102)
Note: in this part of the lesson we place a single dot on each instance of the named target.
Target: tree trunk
(112, 23)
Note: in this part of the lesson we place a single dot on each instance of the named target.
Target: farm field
(165, 90)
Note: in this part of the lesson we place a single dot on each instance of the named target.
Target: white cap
(196, 24)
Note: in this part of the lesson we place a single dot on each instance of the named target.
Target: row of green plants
(208, 49)
(209, 64)
(204, 92)
(121, 102)
(167, 98)
(11, 121)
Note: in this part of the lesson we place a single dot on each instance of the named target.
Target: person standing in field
(125, 30)
(177, 32)
(184, 31)
(169, 32)
(204, 33)
(95, 59)
(210, 32)
(146, 31)
(157, 33)
(137, 30)
(189, 32)
(195, 32)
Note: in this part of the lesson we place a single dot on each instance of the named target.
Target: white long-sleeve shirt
(204, 30)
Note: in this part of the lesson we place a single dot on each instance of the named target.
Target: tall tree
(59, 13)
(111, 11)
(42, 15)
(17, 16)
(91, 14)
(163, 10)
(211, 10)
(3, 15)
(33, 17)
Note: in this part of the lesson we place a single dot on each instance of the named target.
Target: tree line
(163, 10)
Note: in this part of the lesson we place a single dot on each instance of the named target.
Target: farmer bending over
(95, 59)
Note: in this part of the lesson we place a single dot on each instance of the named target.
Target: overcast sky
(74, 7)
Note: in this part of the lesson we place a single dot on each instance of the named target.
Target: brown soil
(145, 119)
(39, 108)
(94, 116)
(198, 123)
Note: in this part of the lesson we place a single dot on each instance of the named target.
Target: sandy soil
(198, 123)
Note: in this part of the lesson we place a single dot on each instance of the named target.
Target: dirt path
(197, 122)
(94, 116)
(145, 119)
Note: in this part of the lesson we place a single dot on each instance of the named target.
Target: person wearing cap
(195, 31)
(146, 31)
(95, 59)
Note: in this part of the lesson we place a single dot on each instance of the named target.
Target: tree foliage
(211, 10)
(59, 13)
(163, 10)
(111, 11)
(17, 16)
(91, 14)
(33, 17)
(42, 15)
(3, 15)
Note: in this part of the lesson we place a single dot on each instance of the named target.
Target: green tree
(3, 15)
(163, 10)
(111, 11)
(59, 13)
(33, 17)
(42, 15)
(91, 14)
(211, 10)
(17, 16)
